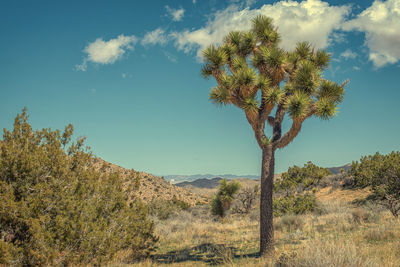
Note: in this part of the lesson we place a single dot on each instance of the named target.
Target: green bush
(382, 173)
(57, 208)
(216, 206)
(300, 178)
(294, 204)
(363, 172)
(222, 201)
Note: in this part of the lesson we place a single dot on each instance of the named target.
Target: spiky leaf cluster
(252, 61)
(219, 95)
(298, 105)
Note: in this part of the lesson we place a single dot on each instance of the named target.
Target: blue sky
(126, 74)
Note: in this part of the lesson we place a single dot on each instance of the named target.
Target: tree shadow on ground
(211, 254)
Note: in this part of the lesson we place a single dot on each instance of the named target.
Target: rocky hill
(150, 186)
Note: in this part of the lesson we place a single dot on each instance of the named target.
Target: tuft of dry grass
(288, 222)
(361, 216)
(330, 252)
(381, 234)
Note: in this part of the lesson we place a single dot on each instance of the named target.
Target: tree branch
(254, 122)
(289, 135)
(293, 131)
(277, 126)
(271, 120)
(265, 110)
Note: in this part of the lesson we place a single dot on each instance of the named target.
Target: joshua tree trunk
(266, 215)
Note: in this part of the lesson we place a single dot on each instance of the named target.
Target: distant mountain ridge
(175, 179)
(183, 178)
(336, 170)
(210, 181)
(201, 183)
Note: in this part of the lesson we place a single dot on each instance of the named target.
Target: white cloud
(107, 52)
(157, 36)
(381, 24)
(123, 75)
(348, 54)
(176, 14)
(194, 2)
(311, 20)
(356, 68)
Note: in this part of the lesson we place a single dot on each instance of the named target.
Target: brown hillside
(150, 186)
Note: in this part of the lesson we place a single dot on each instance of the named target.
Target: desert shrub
(164, 209)
(161, 209)
(57, 208)
(334, 180)
(216, 206)
(221, 202)
(294, 204)
(300, 178)
(289, 222)
(361, 215)
(182, 205)
(245, 199)
(364, 171)
(382, 173)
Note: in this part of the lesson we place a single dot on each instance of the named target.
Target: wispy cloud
(175, 14)
(106, 52)
(250, 2)
(157, 36)
(381, 24)
(311, 20)
(171, 57)
(348, 54)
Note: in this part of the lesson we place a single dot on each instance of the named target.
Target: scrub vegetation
(57, 208)
(60, 207)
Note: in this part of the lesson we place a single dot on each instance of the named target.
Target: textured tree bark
(266, 212)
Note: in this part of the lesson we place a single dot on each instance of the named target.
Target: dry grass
(341, 234)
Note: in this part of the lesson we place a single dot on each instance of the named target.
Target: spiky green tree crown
(250, 62)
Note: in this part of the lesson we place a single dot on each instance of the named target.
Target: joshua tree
(267, 82)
